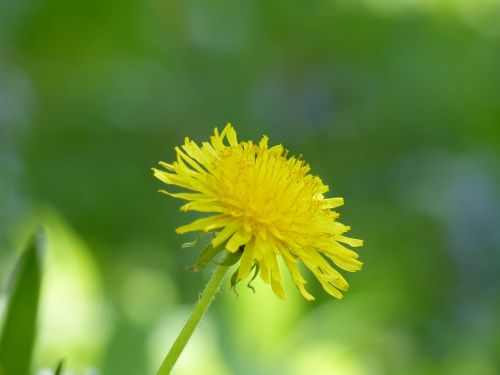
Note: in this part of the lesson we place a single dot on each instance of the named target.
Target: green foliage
(19, 333)
(59, 367)
(398, 112)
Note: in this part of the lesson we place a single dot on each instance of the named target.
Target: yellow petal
(231, 135)
(185, 196)
(206, 224)
(296, 276)
(334, 202)
(350, 241)
(240, 238)
(276, 277)
(224, 234)
(246, 261)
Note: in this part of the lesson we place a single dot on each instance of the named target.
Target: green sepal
(186, 245)
(206, 256)
(234, 282)
(231, 258)
(257, 269)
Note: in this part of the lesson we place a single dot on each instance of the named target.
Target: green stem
(199, 310)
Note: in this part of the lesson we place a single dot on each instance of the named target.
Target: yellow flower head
(265, 205)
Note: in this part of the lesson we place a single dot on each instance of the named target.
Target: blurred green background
(396, 105)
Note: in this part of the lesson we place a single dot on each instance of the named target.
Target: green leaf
(19, 330)
(59, 367)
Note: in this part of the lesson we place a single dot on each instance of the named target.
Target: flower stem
(201, 307)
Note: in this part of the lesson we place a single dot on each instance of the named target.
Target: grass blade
(19, 329)
(59, 368)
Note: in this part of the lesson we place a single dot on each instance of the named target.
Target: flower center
(266, 190)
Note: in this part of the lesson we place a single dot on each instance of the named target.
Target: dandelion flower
(265, 205)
